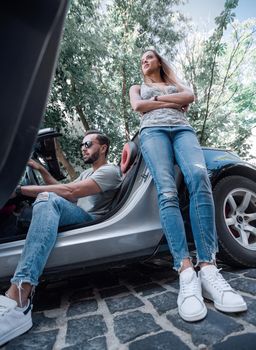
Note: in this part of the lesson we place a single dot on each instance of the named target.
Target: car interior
(15, 216)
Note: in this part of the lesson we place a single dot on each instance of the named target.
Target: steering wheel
(33, 180)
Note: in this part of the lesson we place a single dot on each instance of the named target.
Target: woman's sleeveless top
(162, 116)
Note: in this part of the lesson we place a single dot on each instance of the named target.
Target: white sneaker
(14, 320)
(217, 289)
(191, 306)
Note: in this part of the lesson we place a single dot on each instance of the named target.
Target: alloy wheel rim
(239, 211)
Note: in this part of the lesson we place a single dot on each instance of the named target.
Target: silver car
(132, 227)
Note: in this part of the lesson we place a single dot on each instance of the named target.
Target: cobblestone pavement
(134, 307)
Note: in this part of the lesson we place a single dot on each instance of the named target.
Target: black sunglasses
(87, 144)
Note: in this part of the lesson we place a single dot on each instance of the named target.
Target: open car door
(30, 33)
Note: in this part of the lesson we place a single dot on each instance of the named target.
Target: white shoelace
(218, 281)
(4, 310)
(189, 288)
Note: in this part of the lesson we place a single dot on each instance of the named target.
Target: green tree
(128, 28)
(74, 97)
(217, 69)
(100, 60)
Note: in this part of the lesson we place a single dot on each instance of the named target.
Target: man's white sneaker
(190, 302)
(14, 320)
(217, 289)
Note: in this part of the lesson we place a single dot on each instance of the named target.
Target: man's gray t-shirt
(108, 178)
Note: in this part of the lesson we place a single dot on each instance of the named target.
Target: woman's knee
(199, 177)
(169, 198)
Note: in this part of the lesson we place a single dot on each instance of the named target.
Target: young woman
(165, 137)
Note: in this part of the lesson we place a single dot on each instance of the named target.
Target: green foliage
(218, 69)
(100, 60)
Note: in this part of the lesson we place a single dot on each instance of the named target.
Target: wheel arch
(241, 169)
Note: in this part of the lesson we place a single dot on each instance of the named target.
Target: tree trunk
(63, 160)
(79, 108)
(82, 117)
(124, 106)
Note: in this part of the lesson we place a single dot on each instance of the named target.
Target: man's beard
(92, 159)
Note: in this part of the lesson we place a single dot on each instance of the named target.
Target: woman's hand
(184, 108)
(163, 101)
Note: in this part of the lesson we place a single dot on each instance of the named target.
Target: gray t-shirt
(108, 178)
(161, 116)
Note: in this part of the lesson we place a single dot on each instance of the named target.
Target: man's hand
(48, 178)
(35, 165)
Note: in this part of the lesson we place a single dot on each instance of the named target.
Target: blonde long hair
(166, 72)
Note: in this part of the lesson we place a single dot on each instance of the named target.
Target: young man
(85, 199)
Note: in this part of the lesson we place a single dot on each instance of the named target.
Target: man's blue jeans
(161, 146)
(49, 212)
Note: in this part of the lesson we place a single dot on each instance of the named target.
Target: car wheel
(235, 206)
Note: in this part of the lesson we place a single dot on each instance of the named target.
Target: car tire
(235, 208)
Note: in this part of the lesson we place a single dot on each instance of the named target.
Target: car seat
(128, 156)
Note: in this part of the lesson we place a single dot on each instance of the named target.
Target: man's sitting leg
(49, 211)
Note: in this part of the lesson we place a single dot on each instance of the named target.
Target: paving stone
(150, 288)
(229, 275)
(210, 330)
(251, 273)
(81, 294)
(250, 314)
(164, 302)
(245, 285)
(241, 342)
(94, 344)
(160, 341)
(109, 292)
(235, 270)
(134, 324)
(134, 278)
(174, 284)
(88, 332)
(123, 303)
(85, 328)
(46, 300)
(42, 341)
(82, 307)
(164, 275)
(40, 321)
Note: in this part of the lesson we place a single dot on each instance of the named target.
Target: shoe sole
(237, 308)
(16, 332)
(194, 318)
